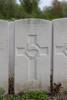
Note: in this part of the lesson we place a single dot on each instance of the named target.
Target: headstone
(4, 36)
(33, 54)
(60, 51)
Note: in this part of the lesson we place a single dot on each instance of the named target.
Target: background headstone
(4, 54)
(32, 54)
(60, 51)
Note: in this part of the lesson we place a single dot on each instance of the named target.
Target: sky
(44, 3)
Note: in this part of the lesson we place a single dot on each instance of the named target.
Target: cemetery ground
(58, 94)
(31, 95)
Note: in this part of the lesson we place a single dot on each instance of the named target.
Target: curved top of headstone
(4, 21)
(60, 32)
(60, 19)
(60, 25)
(32, 20)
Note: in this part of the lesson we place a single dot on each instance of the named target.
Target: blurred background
(43, 9)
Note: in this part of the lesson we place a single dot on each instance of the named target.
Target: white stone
(11, 49)
(4, 36)
(60, 51)
(32, 54)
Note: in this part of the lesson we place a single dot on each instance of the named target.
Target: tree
(10, 8)
(47, 13)
(7, 8)
(30, 6)
(2, 8)
(27, 5)
(64, 7)
(57, 8)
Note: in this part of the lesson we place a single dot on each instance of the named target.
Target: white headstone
(4, 54)
(33, 54)
(60, 51)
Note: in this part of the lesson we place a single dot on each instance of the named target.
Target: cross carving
(32, 51)
(62, 49)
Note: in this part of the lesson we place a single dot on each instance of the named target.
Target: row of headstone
(27, 48)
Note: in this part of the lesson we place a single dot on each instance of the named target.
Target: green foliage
(64, 7)
(19, 98)
(47, 12)
(10, 97)
(36, 95)
(9, 9)
(27, 6)
(2, 92)
(11, 85)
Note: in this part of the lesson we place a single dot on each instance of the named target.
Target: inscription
(20, 51)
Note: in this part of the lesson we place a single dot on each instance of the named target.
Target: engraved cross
(32, 51)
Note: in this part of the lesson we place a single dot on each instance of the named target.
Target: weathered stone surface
(4, 36)
(33, 54)
(60, 51)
